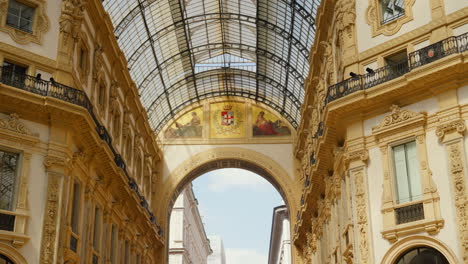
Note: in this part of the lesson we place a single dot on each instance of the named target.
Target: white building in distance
(280, 243)
(188, 243)
(218, 256)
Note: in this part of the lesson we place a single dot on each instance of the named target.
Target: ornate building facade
(188, 242)
(354, 110)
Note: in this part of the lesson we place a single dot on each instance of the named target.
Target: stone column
(451, 134)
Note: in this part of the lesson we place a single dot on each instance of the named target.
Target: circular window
(422, 255)
(5, 260)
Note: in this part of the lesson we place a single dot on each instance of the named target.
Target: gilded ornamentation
(457, 125)
(49, 232)
(345, 17)
(14, 124)
(50, 161)
(71, 19)
(374, 18)
(459, 190)
(361, 208)
(362, 155)
(98, 61)
(39, 27)
(113, 93)
(398, 115)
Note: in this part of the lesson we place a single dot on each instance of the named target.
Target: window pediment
(398, 120)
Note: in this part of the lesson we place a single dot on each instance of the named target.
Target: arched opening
(422, 255)
(243, 214)
(274, 171)
(5, 260)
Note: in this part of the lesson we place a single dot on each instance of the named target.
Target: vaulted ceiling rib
(183, 51)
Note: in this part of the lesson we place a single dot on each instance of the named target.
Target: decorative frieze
(49, 233)
(459, 194)
(13, 124)
(361, 215)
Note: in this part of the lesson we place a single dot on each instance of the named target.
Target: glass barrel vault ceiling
(183, 51)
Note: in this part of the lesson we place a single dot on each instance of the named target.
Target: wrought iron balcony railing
(409, 213)
(426, 55)
(77, 97)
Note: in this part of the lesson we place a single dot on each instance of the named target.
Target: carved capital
(362, 155)
(454, 126)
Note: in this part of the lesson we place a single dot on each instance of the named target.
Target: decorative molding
(459, 193)
(71, 19)
(12, 254)
(362, 155)
(374, 18)
(402, 246)
(13, 124)
(39, 27)
(361, 214)
(397, 117)
(49, 233)
(50, 161)
(453, 126)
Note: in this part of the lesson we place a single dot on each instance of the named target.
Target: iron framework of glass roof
(182, 51)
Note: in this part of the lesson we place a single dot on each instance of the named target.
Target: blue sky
(238, 205)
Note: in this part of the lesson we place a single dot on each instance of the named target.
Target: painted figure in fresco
(191, 129)
(265, 127)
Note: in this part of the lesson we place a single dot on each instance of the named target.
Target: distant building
(188, 243)
(218, 256)
(280, 243)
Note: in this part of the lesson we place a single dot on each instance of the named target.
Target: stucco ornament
(71, 19)
(13, 123)
(345, 17)
(461, 199)
(456, 125)
(361, 209)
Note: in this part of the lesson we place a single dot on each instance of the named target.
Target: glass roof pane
(182, 51)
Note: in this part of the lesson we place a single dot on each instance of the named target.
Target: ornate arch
(408, 243)
(190, 169)
(12, 253)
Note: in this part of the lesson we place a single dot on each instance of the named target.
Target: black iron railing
(68, 94)
(426, 55)
(409, 213)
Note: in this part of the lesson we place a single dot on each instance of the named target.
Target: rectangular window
(407, 178)
(82, 59)
(20, 16)
(101, 95)
(8, 171)
(13, 74)
(127, 252)
(391, 10)
(75, 207)
(97, 228)
(113, 244)
(75, 214)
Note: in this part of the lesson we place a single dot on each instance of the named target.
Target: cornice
(41, 61)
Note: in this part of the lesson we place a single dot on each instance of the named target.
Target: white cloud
(221, 180)
(244, 256)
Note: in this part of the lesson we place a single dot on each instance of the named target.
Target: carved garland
(461, 199)
(361, 209)
(374, 18)
(40, 23)
(49, 232)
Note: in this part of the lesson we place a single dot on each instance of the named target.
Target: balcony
(421, 57)
(77, 97)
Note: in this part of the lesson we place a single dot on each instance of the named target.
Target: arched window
(5, 260)
(422, 255)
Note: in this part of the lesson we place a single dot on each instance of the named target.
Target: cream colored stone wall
(365, 40)
(49, 45)
(174, 155)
